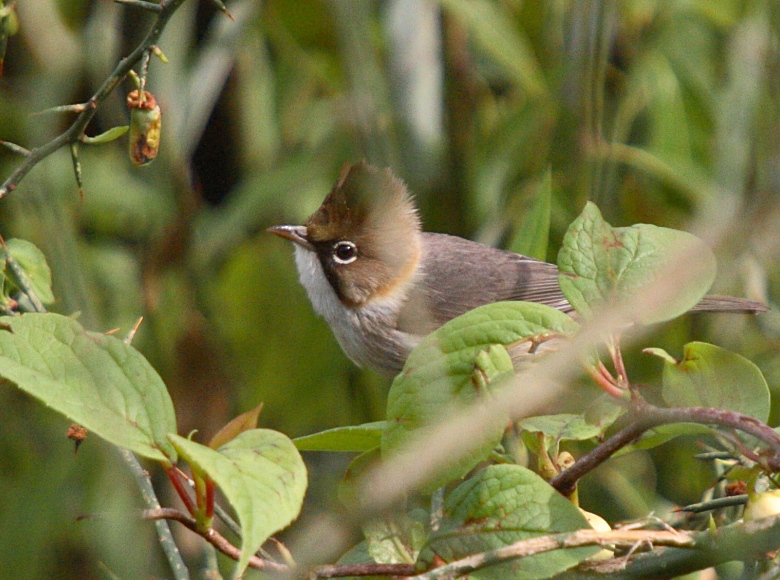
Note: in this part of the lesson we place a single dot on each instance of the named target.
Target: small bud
(145, 126)
(156, 51)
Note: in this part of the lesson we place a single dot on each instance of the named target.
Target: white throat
(368, 335)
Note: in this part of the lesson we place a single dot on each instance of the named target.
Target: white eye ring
(344, 252)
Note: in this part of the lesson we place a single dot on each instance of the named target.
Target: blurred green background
(661, 111)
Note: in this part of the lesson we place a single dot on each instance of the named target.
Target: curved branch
(542, 544)
(214, 538)
(645, 416)
(73, 133)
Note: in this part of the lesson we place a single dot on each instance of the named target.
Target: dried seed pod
(145, 125)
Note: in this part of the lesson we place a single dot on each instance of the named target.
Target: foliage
(504, 118)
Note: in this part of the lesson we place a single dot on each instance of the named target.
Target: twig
(370, 569)
(542, 544)
(714, 504)
(77, 108)
(72, 134)
(646, 416)
(740, 541)
(14, 148)
(167, 543)
(213, 537)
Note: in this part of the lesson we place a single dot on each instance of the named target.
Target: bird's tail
(715, 303)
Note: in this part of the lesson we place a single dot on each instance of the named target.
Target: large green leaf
(601, 265)
(93, 379)
(263, 477)
(500, 505)
(352, 438)
(458, 365)
(710, 376)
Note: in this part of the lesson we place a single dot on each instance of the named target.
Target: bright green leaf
(33, 262)
(263, 477)
(111, 135)
(460, 364)
(93, 379)
(352, 438)
(500, 505)
(710, 376)
(600, 265)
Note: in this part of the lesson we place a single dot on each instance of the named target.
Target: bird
(382, 284)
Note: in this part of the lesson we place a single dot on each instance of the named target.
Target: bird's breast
(367, 334)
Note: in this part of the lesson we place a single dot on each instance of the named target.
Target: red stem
(209, 498)
(180, 488)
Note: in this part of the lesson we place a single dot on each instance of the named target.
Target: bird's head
(365, 235)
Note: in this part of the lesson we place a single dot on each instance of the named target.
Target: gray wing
(458, 275)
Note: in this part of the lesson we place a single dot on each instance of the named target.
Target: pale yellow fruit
(600, 525)
(762, 505)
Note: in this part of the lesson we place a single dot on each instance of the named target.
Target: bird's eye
(344, 252)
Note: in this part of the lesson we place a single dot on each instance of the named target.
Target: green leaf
(500, 505)
(532, 231)
(601, 265)
(557, 428)
(396, 540)
(458, 365)
(263, 477)
(353, 438)
(33, 262)
(93, 379)
(710, 376)
(111, 135)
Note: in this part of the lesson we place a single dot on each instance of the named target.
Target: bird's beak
(296, 234)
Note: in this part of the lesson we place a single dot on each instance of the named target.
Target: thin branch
(542, 544)
(370, 569)
(14, 148)
(77, 108)
(646, 416)
(739, 541)
(73, 133)
(167, 543)
(214, 538)
(715, 504)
